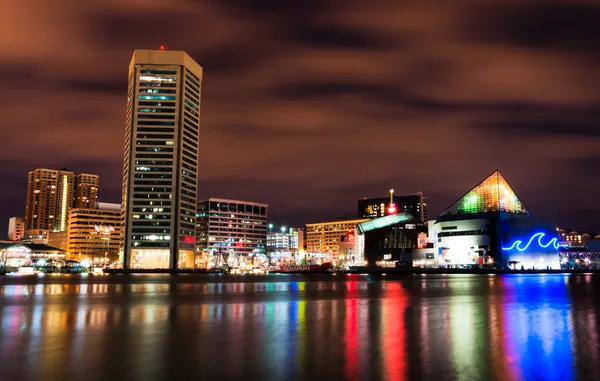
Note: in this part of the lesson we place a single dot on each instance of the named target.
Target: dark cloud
(334, 37)
(587, 167)
(548, 121)
(145, 29)
(307, 90)
(549, 25)
(231, 58)
(95, 85)
(281, 9)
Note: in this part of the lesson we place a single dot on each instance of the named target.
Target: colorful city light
(491, 195)
(518, 243)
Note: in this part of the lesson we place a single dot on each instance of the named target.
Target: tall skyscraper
(52, 193)
(160, 171)
(49, 198)
(86, 191)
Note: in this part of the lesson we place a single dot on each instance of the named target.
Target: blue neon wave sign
(518, 243)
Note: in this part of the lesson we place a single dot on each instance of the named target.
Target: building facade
(323, 238)
(52, 193)
(415, 204)
(391, 238)
(86, 191)
(15, 254)
(94, 234)
(489, 226)
(16, 228)
(286, 243)
(160, 172)
(37, 236)
(58, 239)
(232, 231)
(572, 239)
(49, 197)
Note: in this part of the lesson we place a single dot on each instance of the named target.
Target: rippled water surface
(462, 327)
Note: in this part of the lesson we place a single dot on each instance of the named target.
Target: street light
(283, 229)
(270, 228)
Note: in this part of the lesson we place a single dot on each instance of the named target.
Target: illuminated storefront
(15, 255)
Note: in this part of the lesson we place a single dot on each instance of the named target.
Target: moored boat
(302, 269)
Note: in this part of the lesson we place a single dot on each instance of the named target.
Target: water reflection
(418, 328)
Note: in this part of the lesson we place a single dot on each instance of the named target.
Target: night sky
(311, 105)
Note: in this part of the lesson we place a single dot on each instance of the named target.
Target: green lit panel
(491, 195)
(382, 222)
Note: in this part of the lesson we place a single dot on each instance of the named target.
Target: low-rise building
(14, 255)
(232, 232)
(35, 236)
(324, 239)
(94, 233)
(572, 239)
(16, 228)
(391, 238)
(285, 244)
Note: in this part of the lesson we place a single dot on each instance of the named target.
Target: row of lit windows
(156, 103)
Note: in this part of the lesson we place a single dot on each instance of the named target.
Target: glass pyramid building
(491, 195)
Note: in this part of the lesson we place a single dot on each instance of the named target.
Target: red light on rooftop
(162, 47)
(392, 209)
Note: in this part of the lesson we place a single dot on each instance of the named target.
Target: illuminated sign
(350, 237)
(518, 244)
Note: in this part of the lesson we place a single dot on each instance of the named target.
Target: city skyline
(528, 108)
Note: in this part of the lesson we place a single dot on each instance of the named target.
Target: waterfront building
(323, 239)
(16, 254)
(94, 234)
(16, 228)
(415, 204)
(285, 243)
(160, 175)
(490, 226)
(231, 231)
(391, 238)
(572, 239)
(86, 191)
